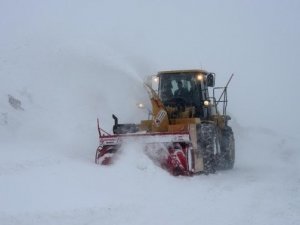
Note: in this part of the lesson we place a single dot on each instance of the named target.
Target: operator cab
(185, 89)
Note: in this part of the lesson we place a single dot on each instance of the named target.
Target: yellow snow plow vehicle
(186, 133)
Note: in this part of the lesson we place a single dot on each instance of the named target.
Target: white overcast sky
(257, 40)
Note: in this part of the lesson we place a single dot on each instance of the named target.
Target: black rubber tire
(208, 142)
(227, 155)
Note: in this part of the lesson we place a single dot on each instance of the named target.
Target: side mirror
(210, 79)
(148, 80)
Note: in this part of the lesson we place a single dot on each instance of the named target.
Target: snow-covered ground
(48, 176)
(55, 181)
(65, 80)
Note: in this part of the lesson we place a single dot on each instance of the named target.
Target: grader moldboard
(186, 133)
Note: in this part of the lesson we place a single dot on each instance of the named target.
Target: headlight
(140, 105)
(206, 103)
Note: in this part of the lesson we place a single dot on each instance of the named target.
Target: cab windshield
(179, 87)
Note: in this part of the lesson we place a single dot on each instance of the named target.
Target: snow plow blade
(172, 151)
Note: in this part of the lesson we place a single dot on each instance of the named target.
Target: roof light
(155, 79)
(200, 77)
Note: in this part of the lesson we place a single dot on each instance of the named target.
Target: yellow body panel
(160, 120)
(178, 127)
(186, 121)
(145, 125)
